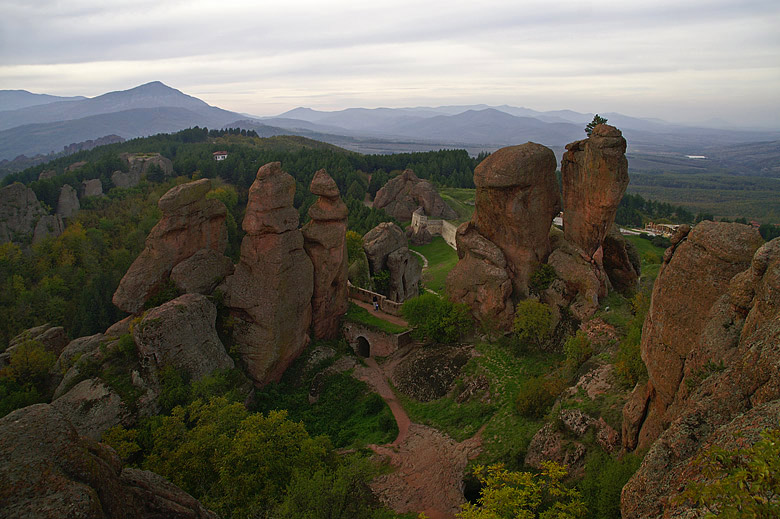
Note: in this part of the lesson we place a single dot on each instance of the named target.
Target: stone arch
(363, 347)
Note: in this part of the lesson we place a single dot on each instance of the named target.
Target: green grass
(441, 259)
(647, 249)
(461, 200)
(358, 314)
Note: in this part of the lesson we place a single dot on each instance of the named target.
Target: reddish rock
(516, 201)
(92, 408)
(48, 471)
(201, 272)
(325, 243)
(480, 279)
(386, 249)
(595, 176)
(270, 293)
(189, 223)
(621, 262)
(402, 195)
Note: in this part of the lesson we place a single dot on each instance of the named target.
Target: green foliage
(523, 495)
(436, 318)
(536, 395)
(577, 349)
(629, 366)
(597, 119)
(23, 380)
(604, 479)
(542, 278)
(441, 259)
(358, 314)
(533, 325)
(382, 282)
(739, 483)
(635, 211)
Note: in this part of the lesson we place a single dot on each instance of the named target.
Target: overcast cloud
(682, 60)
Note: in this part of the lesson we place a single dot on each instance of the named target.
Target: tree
(437, 318)
(533, 324)
(597, 119)
(511, 495)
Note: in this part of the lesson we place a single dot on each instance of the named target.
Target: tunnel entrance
(363, 347)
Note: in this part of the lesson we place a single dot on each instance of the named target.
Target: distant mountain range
(32, 124)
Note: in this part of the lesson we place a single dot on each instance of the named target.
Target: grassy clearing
(441, 259)
(648, 251)
(460, 199)
(358, 314)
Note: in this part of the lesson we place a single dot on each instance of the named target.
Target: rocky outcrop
(325, 241)
(201, 272)
(47, 173)
(516, 201)
(621, 262)
(125, 180)
(52, 338)
(419, 235)
(595, 175)
(386, 249)
(92, 408)
(695, 275)
(190, 222)
(49, 226)
(270, 293)
(92, 187)
(181, 333)
(139, 164)
(725, 378)
(402, 195)
(480, 278)
(20, 210)
(48, 470)
(68, 203)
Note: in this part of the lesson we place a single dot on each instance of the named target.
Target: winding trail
(382, 315)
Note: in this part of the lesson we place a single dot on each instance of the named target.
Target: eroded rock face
(516, 201)
(92, 408)
(92, 187)
(695, 275)
(326, 244)
(595, 176)
(419, 236)
(201, 272)
(480, 278)
(19, 212)
(271, 290)
(402, 195)
(621, 262)
(181, 333)
(189, 223)
(139, 164)
(386, 248)
(50, 225)
(52, 338)
(68, 203)
(728, 378)
(49, 471)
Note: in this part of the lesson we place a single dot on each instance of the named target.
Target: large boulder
(594, 172)
(694, 276)
(139, 164)
(387, 249)
(621, 262)
(325, 241)
(480, 278)
(190, 222)
(93, 187)
(20, 210)
(47, 470)
(201, 272)
(92, 408)
(181, 333)
(402, 195)
(50, 225)
(516, 201)
(270, 293)
(52, 338)
(68, 203)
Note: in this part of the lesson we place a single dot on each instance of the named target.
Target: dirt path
(428, 464)
(382, 315)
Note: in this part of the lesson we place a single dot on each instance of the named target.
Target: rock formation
(516, 201)
(181, 333)
(52, 338)
(480, 278)
(19, 212)
(594, 172)
(326, 244)
(47, 173)
(92, 408)
(386, 249)
(621, 262)
(68, 203)
(403, 194)
(50, 225)
(47, 470)
(139, 165)
(710, 345)
(201, 272)
(190, 222)
(270, 293)
(92, 187)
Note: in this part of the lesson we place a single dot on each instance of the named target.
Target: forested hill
(69, 280)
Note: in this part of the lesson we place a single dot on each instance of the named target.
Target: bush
(603, 481)
(533, 325)
(535, 397)
(542, 278)
(436, 318)
(577, 349)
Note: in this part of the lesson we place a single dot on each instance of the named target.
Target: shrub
(533, 324)
(577, 349)
(436, 318)
(535, 397)
(542, 278)
(603, 481)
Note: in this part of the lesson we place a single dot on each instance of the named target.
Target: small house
(220, 155)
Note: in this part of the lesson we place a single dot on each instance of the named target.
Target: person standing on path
(376, 304)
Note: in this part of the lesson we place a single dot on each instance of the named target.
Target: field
(461, 200)
(441, 259)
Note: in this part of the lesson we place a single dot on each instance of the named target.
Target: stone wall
(367, 296)
(441, 228)
(381, 343)
(448, 232)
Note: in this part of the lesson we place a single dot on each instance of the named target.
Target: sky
(687, 61)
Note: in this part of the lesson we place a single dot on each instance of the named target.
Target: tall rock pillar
(325, 241)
